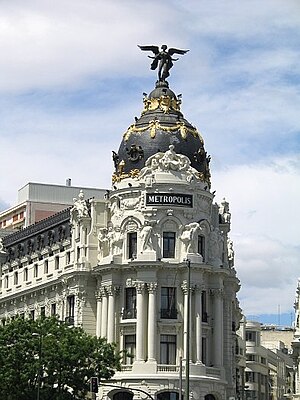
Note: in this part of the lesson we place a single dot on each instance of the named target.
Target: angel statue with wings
(162, 59)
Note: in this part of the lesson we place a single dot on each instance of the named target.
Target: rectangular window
(129, 347)
(56, 261)
(68, 258)
(201, 246)
(15, 218)
(168, 349)
(204, 306)
(132, 244)
(250, 376)
(250, 357)
(130, 303)
(169, 244)
(168, 303)
(46, 267)
(21, 216)
(70, 309)
(32, 314)
(53, 309)
(26, 274)
(204, 350)
(35, 271)
(6, 282)
(16, 278)
(250, 336)
(43, 312)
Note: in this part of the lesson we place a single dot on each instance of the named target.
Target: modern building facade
(269, 370)
(150, 266)
(37, 201)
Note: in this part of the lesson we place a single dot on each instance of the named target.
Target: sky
(71, 83)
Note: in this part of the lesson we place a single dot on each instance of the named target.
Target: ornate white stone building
(120, 266)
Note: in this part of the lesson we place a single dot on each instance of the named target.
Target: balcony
(168, 313)
(70, 320)
(129, 313)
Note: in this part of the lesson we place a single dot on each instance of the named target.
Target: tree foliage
(52, 357)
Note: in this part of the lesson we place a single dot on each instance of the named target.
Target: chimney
(68, 182)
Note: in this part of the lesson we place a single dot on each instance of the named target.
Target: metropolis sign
(167, 199)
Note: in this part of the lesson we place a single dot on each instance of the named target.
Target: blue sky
(71, 82)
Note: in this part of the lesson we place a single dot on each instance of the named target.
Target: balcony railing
(129, 313)
(168, 313)
(69, 320)
(168, 368)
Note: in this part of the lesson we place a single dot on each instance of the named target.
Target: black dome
(160, 125)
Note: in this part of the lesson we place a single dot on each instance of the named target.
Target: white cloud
(264, 201)
(239, 87)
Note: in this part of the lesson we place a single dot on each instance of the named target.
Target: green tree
(53, 358)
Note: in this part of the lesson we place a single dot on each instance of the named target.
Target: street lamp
(39, 335)
(187, 338)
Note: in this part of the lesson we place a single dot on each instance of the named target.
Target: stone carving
(189, 237)
(224, 213)
(103, 243)
(147, 237)
(115, 240)
(80, 208)
(230, 253)
(135, 153)
(1, 246)
(216, 247)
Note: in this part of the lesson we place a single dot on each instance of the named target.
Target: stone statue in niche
(115, 240)
(80, 208)
(230, 253)
(103, 243)
(216, 243)
(147, 237)
(224, 213)
(189, 237)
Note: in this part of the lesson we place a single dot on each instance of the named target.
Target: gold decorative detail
(117, 177)
(165, 103)
(155, 125)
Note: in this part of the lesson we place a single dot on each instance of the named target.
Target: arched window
(168, 396)
(209, 397)
(123, 396)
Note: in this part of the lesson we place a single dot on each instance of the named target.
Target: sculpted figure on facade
(115, 237)
(147, 237)
(103, 243)
(224, 213)
(216, 246)
(1, 246)
(80, 208)
(189, 237)
(230, 253)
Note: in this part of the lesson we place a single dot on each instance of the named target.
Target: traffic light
(94, 384)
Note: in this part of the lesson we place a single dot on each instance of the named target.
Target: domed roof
(160, 125)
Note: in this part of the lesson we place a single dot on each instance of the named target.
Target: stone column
(198, 324)
(218, 327)
(104, 313)
(112, 291)
(98, 295)
(152, 323)
(140, 334)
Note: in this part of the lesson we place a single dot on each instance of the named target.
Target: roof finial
(162, 59)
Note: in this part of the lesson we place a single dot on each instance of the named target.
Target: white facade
(120, 267)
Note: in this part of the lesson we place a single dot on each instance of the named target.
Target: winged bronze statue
(162, 59)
